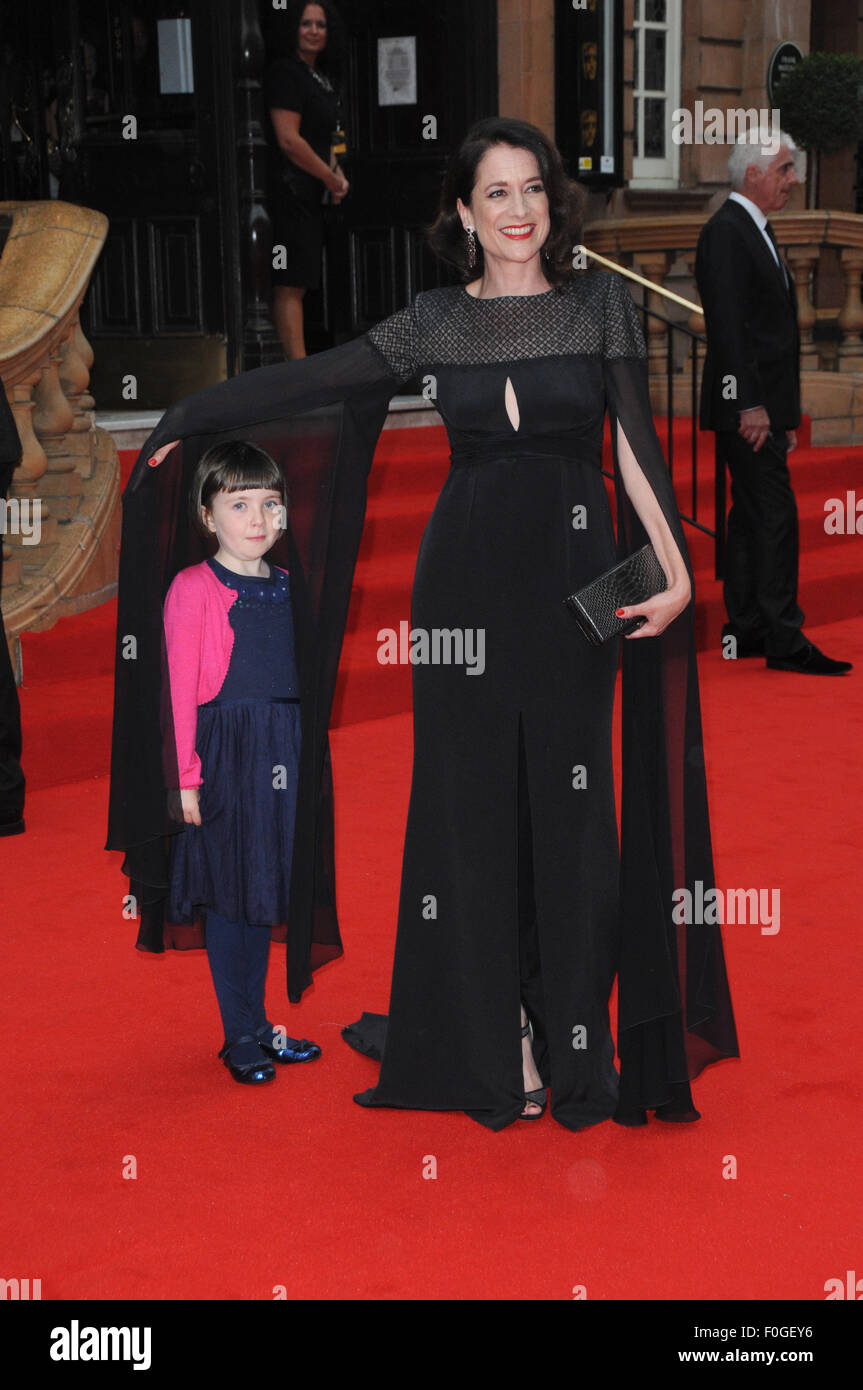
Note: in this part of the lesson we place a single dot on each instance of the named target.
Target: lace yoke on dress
(593, 314)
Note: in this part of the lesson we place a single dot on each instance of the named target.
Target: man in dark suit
(11, 776)
(750, 395)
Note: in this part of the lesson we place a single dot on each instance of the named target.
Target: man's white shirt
(760, 220)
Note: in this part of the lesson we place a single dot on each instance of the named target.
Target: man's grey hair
(752, 148)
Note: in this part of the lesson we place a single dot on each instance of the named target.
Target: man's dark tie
(769, 230)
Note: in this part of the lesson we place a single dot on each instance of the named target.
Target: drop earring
(471, 247)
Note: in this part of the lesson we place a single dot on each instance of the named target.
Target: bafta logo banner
(588, 114)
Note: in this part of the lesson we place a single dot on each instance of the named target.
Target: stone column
(28, 480)
(61, 485)
(33, 461)
(802, 261)
(74, 374)
(53, 416)
(851, 315)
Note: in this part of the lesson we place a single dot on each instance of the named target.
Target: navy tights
(238, 953)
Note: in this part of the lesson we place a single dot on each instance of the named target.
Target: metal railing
(717, 530)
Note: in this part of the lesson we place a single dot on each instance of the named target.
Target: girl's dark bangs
(239, 479)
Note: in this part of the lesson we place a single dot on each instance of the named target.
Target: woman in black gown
(509, 892)
(515, 897)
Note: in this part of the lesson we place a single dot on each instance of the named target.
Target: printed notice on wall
(397, 71)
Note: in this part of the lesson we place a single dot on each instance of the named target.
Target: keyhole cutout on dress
(511, 404)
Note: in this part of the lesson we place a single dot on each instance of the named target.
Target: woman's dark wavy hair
(446, 236)
(280, 36)
(232, 466)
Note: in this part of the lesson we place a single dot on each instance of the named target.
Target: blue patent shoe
(295, 1049)
(247, 1073)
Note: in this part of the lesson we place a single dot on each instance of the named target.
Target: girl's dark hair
(280, 36)
(232, 467)
(446, 236)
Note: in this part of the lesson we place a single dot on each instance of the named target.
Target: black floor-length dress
(510, 876)
(513, 887)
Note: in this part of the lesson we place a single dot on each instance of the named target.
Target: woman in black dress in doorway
(516, 900)
(302, 97)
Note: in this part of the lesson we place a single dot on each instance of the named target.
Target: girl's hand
(660, 610)
(189, 800)
(156, 458)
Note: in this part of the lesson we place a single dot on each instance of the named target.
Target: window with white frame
(656, 93)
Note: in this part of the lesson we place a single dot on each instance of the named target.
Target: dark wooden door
(143, 150)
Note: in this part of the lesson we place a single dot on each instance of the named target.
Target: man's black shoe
(12, 827)
(810, 661)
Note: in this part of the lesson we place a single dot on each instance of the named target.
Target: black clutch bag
(635, 579)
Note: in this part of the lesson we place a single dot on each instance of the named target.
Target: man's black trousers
(761, 552)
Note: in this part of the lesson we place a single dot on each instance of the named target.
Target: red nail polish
(620, 612)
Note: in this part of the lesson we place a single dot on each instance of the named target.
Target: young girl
(234, 697)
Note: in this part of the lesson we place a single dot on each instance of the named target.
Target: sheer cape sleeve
(674, 1005)
(320, 418)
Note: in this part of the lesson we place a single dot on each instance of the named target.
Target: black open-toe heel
(539, 1097)
(247, 1073)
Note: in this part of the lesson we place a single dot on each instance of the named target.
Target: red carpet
(111, 1060)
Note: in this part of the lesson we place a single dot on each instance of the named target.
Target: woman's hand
(338, 185)
(660, 610)
(663, 608)
(156, 458)
(189, 802)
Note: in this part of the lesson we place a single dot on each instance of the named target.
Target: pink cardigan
(199, 640)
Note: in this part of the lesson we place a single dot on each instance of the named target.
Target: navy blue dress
(238, 861)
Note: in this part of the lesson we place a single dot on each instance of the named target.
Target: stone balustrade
(651, 245)
(69, 472)
(831, 350)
